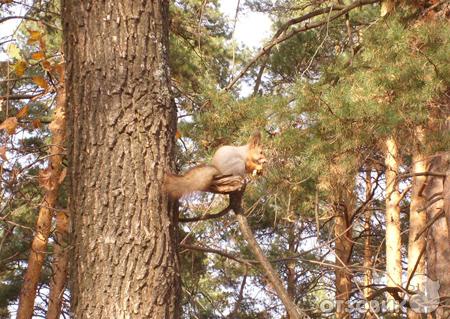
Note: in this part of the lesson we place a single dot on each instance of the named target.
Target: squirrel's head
(255, 157)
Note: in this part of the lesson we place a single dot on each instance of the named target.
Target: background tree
(28, 98)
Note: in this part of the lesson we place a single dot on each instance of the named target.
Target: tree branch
(429, 224)
(218, 252)
(223, 212)
(270, 273)
(223, 184)
(279, 37)
(21, 97)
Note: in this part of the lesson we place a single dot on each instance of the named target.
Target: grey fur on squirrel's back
(230, 160)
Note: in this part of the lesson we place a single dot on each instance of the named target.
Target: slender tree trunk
(393, 238)
(417, 220)
(50, 180)
(343, 246)
(368, 274)
(291, 277)
(438, 239)
(59, 266)
(446, 197)
(121, 121)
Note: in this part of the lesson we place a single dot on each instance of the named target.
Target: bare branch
(429, 224)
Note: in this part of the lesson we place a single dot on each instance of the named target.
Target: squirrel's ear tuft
(255, 140)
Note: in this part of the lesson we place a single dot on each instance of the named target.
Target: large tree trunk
(50, 180)
(417, 220)
(438, 241)
(343, 246)
(393, 238)
(121, 121)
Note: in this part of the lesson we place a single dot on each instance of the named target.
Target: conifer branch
(218, 252)
(281, 35)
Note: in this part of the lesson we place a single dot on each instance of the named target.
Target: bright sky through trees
(252, 28)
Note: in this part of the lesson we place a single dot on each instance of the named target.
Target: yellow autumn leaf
(23, 112)
(13, 51)
(40, 81)
(34, 36)
(9, 125)
(38, 55)
(20, 67)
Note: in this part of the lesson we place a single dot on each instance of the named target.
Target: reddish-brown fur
(228, 160)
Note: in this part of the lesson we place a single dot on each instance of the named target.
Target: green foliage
(326, 125)
(326, 105)
(199, 53)
(389, 88)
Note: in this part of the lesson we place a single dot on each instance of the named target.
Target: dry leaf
(38, 55)
(9, 125)
(3, 153)
(36, 123)
(23, 112)
(20, 67)
(40, 81)
(59, 69)
(46, 65)
(34, 36)
(178, 135)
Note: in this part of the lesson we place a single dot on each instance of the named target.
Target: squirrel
(227, 160)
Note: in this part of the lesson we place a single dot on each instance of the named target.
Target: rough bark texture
(343, 246)
(50, 180)
(417, 221)
(59, 266)
(438, 241)
(393, 238)
(121, 124)
(271, 275)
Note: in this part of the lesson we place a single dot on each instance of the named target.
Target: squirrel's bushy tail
(198, 178)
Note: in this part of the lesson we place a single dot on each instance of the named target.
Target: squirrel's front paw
(258, 170)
